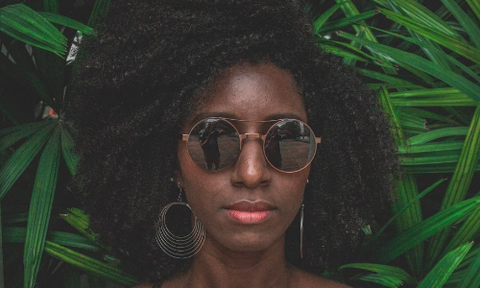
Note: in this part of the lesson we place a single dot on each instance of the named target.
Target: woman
(161, 74)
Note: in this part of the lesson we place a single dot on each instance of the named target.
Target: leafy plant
(424, 61)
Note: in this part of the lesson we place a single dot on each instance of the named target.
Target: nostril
(251, 169)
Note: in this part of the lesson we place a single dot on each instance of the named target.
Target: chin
(247, 242)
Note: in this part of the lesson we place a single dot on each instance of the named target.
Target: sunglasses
(214, 143)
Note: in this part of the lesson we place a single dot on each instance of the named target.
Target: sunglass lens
(213, 144)
(290, 145)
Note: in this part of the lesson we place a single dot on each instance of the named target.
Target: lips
(249, 212)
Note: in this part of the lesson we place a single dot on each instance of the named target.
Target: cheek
(293, 190)
(197, 187)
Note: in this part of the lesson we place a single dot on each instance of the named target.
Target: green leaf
(432, 97)
(414, 200)
(459, 184)
(20, 160)
(22, 23)
(21, 131)
(80, 221)
(322, 19)
(385, 280)
(15, 218)
(333, 25)
(425, 229)
(40, 208)
(417, 11)
(342, 52)
(406, 190)
(467, 231)
(449, 42)
(431, 147)
(437, 277)
(426, 114)
(468, 25)
(400, 57)
(429, 160)
(472, 276)
(351, 10)
(69, 154)
(390, 80)
(18, 234)
(89, 264)
(475, 5)
(68, 22)
(437, 134)
(396, 272)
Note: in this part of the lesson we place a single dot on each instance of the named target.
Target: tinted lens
(213, 144)
(290, 145)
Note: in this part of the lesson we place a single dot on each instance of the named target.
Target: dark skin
(237, 254)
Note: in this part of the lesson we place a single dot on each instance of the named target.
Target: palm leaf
(18, 235)
(88, 264)
(24, 24)
(68, 22)
(449, 42)
(22, 131)
(467, 23)
(71, 158)
(425, 229)
(382, 279)
(383, 269)
(400, 57)
(22, 157)
(414, 200)
(437, 277)
(437, 134)
(406, 192)
(475, 5)
(471, 278)
(459, 184)
(322, 19)
(40, 207)
(333, 25)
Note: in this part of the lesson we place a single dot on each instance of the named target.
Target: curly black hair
(142, 75)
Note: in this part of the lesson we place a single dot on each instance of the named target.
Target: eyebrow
(233, 116)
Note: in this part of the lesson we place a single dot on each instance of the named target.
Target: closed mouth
(249, 212)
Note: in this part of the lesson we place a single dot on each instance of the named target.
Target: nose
(251, 169)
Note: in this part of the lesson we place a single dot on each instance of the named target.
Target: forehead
(252, 92)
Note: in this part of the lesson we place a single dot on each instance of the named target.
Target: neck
(216, 266)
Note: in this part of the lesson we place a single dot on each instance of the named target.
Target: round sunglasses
(214, 143)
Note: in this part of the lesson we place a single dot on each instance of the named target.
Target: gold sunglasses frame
(263, 137)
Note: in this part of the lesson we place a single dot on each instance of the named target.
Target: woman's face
(247, 92)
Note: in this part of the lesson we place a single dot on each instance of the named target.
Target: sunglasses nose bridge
(251, 135)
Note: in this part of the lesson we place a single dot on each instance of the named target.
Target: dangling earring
(179, 247)
(302, 208)
(302, 212)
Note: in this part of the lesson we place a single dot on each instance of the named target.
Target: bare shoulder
(305, 279)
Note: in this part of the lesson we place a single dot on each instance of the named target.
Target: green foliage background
(422, 58)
